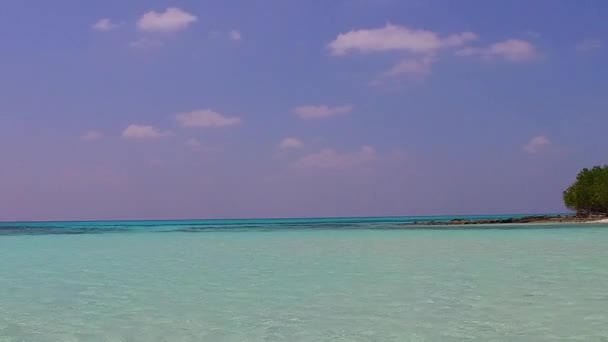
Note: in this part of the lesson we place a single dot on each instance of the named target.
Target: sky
(283, 108)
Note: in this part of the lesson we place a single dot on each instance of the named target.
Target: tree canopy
(589, 194)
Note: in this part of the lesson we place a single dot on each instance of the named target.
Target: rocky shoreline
(512, 220)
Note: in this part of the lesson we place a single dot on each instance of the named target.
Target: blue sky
(209, 109)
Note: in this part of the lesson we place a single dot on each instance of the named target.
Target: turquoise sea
(369, 279)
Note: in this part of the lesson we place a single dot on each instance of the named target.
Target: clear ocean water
(372, 279)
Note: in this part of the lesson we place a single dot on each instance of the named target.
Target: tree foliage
(589, 194)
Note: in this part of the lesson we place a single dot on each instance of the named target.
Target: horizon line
(276, 218)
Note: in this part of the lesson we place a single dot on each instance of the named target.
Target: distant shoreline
(532, 219)
(396, 218)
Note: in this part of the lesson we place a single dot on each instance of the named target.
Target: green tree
(589, 193)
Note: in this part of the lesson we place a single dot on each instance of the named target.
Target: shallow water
(285, 281)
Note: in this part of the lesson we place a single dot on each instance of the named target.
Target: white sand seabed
(600, 221)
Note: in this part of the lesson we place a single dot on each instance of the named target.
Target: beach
(302, 280)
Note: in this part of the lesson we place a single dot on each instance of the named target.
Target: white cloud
(104, 25)
(421, 47)
(512, 50)
(145, 43)
(537, 144)
(412, 66)
(395, 37)
(171, 20)
(330, 159)
(291, 144)
(321, 111)
(589, 44)
(235, 35)
(91, 135)
(143, 132)
(205, 118)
